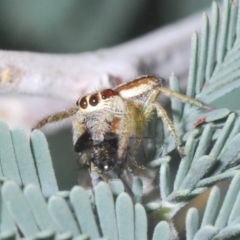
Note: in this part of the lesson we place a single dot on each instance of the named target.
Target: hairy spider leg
(161, 113)
(131, 125)
(56, 117)
(183, 98)
(134, 161)
(150, 106)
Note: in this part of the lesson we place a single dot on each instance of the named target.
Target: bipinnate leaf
(163, 231)
(9, 168)
(37, 204)
(106, 210)
(18, 209)
(24, 157)
(140, 222)
(192, 223)
(205, 233)
(84, 213)
(62, 215)
(228, 203)
(24, 165)
(43, 162)
(217, 221)
(212, 207)
(125, 217)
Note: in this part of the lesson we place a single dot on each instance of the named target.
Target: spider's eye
(83, 103)
(107, 93)
(93, 100)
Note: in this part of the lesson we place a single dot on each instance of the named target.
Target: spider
(123, 110)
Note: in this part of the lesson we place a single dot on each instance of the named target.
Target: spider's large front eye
(93, 100)
(83, 103)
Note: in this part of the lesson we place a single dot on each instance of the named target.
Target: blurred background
(60, 26)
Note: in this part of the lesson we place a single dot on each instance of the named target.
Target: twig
(71, 75)
(49, 83)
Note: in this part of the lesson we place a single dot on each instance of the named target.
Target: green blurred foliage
(60, 26)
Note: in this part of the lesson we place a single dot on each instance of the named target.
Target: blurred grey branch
(66, 77)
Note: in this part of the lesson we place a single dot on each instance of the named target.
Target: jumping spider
(122, 111)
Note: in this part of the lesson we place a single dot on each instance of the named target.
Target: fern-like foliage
(142, 207)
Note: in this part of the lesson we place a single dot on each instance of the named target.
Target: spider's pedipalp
(56, 117)
(78, 129)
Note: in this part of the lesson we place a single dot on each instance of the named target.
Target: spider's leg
(135, 163)
(78, 129)
(56, 117)
(123, 139)
(183, 98)
(131, 125)
(163, 115)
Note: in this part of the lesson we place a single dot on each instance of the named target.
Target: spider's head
(96, 101)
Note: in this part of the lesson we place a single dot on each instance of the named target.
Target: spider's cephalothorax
(103, 155)
(123, 110)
